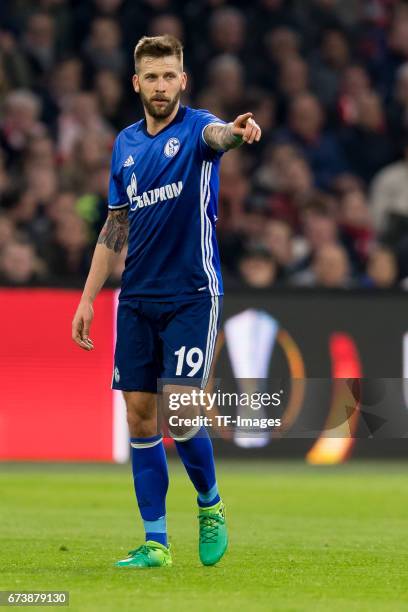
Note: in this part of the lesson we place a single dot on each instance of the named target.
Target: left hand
(245, 127)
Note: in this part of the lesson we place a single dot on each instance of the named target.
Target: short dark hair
(158, 46)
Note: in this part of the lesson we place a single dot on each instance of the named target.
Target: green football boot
(150, 554)
(213, 533)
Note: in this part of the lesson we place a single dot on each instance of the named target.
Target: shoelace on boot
(209, 527)
(143, 549)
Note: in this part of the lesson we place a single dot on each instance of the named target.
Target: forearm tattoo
(220, 137)
(114, 233)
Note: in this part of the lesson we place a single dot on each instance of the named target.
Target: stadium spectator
(109, 90)
(227, 30)
(396, 53)
(14, 69)
(69, 252)
(19, 263)
(30, 209)
(296, 189)
(389, 204)
(63, 204)
(234, 191)
(65, 81)
(91, 205)
(277, 239)
(317, 16)
(346, 182)
(329, 269)
(20, 122)
(328, 65)
(293, 79)
(271, 175)
(7, 229)
(167, 24)
(39, 45)
(320, 148)
(5, 180)
(366, 142)
(226, 80)
(319, 229)
(355, 82)
(258, 269)
(382, 269)
(279, 45)
(40, 152)
(398, 107)
(263, 104)
(356, 226)
(327, 81)
(90, 151)
(82, 113)
(271, 14)
(102, 49)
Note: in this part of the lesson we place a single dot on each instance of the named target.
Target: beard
(160, 112)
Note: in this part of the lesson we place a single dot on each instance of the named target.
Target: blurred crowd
(322, 201)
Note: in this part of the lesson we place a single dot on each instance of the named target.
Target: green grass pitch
(301, 538)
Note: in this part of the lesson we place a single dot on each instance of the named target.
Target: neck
(154, 124)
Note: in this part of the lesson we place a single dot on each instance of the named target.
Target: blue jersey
(170, 184)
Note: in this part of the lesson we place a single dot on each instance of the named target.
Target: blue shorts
(165, 340)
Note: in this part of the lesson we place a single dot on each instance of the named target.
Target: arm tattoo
(114, 233)
(220, 137)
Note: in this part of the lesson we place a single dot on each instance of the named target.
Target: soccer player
(163, 203)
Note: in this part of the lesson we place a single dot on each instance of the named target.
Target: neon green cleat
(150, 554)
(213, 533)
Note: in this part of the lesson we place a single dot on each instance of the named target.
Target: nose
(160, 85)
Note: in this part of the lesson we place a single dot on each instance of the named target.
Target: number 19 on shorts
(193, 358)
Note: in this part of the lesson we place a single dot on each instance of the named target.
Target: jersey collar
(179, 117)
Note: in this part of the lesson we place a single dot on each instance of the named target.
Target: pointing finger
(243, 118)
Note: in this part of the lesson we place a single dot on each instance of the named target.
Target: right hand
(246, 128)
(81, 324)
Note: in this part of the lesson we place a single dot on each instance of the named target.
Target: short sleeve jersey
(169, 182)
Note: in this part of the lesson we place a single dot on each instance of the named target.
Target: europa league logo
(251, 338)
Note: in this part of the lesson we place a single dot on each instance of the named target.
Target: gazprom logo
(152, 196)
(132, 188)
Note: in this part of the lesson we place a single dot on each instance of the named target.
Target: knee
(141, 415)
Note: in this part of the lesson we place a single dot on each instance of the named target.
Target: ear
(183, 81)
(135, 81)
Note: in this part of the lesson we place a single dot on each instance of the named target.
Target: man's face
(306, 117)
(160, 81)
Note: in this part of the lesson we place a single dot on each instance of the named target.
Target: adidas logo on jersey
(129, 162)
(148, 198)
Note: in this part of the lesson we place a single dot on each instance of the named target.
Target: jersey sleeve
(117, 197)
(205, 118)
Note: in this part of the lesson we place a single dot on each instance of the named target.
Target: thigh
(189, 340)
(138, 353)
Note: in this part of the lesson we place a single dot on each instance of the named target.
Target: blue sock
(151, 480)
(198, 458)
